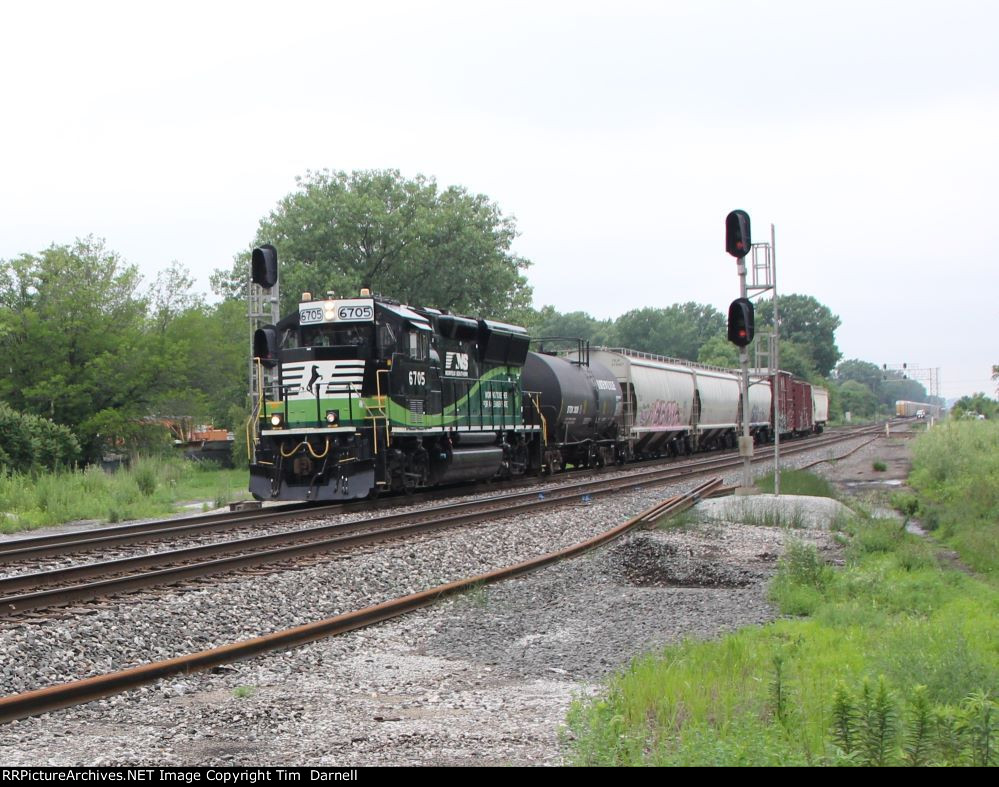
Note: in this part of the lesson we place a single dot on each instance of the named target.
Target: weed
(879, 466)
(477, 594)
(145, 479)
(979, 723)
(844, 720)
(917, 736)
(877, 721)
(243, 692)
(685, 520)
(905, 503)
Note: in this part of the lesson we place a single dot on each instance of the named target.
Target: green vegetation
(889, 661)
(797, 482)
(85, 347)
(405, 237)
(29, 442)
(956, 476)
(150, 488)
(879, 466)
(895, 655)
(243, 692)
(974, 406)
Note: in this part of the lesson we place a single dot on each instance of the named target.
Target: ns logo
(455, 364)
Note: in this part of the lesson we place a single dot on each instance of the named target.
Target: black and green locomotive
(363, 394)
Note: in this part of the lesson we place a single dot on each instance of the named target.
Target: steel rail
(31, 703)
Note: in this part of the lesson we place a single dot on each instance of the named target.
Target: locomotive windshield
(345, 341)
(335, 336)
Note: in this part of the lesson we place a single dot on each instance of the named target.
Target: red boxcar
(794, 415)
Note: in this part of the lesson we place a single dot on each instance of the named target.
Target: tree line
(85, 344)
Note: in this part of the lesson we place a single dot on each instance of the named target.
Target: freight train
(363, 394)
(905, 409)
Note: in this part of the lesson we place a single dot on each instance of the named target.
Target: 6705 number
(354, 313)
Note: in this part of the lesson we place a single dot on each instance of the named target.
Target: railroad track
(28, 592)
(79, 541)
(51, 698)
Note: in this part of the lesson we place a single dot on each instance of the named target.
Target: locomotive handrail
(258, 405)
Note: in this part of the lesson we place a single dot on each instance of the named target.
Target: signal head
(263, 266)
(741, 322)
(737, 235)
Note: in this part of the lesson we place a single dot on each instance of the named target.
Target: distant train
(904, 409)
(359, 395)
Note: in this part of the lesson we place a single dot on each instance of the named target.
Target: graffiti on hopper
(659, 413)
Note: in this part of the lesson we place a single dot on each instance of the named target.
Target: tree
(719, 351)
(995, 377)
(677, 331)
(201, 363)
(809, 324)
(573, 325)
(855, 397)
(73, 342)
(860, 371)
(406, 239)
(979, 403)
(796, 358)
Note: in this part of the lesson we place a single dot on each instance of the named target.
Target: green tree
(201, 360)
(73, 342)
(573, 325)
(796, 358)
(979, 403)
(677, 331)
(404, 238)
(809, 324)
(719, 351)
(862, 372)
(857, 398)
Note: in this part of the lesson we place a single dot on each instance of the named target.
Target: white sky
(619, 134)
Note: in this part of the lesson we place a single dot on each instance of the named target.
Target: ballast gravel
(484, 678)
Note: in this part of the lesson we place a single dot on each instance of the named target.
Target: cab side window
(418, 345)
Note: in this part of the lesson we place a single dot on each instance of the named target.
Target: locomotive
(359, 395)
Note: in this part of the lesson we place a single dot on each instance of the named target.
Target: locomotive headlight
(277, 420)
(332, 417)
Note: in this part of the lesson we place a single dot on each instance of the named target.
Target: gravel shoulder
(481, 679)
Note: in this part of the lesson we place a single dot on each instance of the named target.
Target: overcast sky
(619, 134)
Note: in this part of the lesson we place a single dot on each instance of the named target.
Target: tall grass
(956, 475)
(150, 487)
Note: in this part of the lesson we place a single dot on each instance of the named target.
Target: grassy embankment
(893, 659)
(150, 488)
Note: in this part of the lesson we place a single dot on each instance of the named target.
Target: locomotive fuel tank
(579, 401)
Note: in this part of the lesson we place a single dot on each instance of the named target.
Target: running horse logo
(316, 377)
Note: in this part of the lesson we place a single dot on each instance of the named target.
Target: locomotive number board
(357, 310)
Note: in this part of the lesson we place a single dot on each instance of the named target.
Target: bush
(29, 443)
